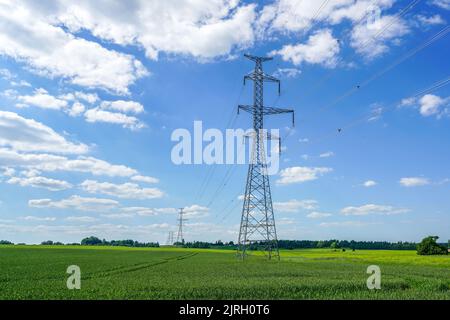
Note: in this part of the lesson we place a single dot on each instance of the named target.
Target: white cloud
(8, 172)
(77, 203)
(368, 209)
(326, 154)
(196, 211)
(414, 181)
(28, 35)
(369, 183)
(50, 163)
(301, 174)
(444, 4)
(123, 106)
(81, 219)
(77, 109)
(428, 105)
(200, 29)
(22, 134)
(34, 218)
(373, 39)
(118, 215)
(321, 48)
(287, 72)
(90, 98)
(145, 179)
(295, 205)
(98, 115)
(431, 20)
(295, 15)
(42, 99)
(318, 215)
(41, 182)
(126, 190)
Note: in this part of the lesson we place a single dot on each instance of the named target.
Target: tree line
(310, 244)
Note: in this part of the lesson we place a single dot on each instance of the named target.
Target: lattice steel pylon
(181, 220)
(170, 239)
(258, 220)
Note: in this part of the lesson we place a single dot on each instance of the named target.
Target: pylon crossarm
(273, 110)
(256, 58)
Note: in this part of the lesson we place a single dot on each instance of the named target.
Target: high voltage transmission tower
(181, 221)
(258, 221)
(170, 240)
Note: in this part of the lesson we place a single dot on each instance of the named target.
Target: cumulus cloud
(81, 219)
(369, 209)
(145, 179)
(196, 211)
(301, 174)
(76, 109)
(294, 15)
(41, 182)
(22, 134)
(98, 115)
(42, 99)
(321, 48)
(414, 181)
(125, 190)
(34, 218)
(123, 106)
(430, 20)
(326, 154)
(373, 39)
(428, 105)
(287, 72)
(295, 205)
(318, 215)
(444, 4)
(28, 35)
(77, 203)
(202, 30)
(50, 163)
(369, 183)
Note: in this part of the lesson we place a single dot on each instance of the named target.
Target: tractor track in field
(137, 267)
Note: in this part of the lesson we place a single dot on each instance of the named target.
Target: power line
(437, 85)
(367, 42)
(378, 74)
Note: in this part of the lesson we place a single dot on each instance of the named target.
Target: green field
(39, 272)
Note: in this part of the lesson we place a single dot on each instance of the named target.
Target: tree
(91, 241)
(429, 246)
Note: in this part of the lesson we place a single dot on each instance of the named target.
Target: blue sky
(91, 93)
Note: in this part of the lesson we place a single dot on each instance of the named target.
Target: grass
(39, 272)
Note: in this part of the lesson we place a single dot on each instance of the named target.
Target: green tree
(91, 241)
(429, 246)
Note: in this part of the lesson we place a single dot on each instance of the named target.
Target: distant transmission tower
(170, 238)
(181, 221)
(258, 221)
